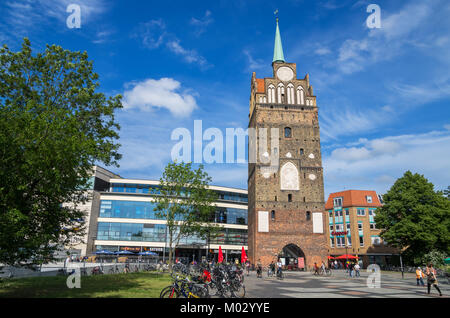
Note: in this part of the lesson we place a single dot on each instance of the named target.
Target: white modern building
(121, 216)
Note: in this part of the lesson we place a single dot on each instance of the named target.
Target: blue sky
(383, 94)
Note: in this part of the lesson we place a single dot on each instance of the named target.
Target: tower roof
(278, 56)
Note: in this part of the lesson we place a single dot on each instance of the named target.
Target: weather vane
(276, 14)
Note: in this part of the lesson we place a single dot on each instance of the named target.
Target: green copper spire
(278, 56)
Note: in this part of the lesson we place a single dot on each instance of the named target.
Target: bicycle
(97, 271)
(184, 288)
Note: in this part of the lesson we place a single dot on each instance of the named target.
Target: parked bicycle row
(205, 281)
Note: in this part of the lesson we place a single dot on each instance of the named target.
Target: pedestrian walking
(431, 279)
(247, 265)
(357, 268)
(259, 269)
(419, 276)
(350, 269)
(316, 269)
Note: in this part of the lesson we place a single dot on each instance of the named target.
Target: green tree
(415, 218)
(54, 126)
(186, 203)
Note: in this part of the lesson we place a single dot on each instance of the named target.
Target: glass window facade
(155, 189)
(127, 209)
(230, 196)
(111, 231)
(231, 237)
(135, 188)
(231, 216)
(145, 210)
(131, 232)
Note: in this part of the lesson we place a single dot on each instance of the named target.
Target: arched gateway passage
(293, 257)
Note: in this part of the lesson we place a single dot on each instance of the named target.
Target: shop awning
(346, 256)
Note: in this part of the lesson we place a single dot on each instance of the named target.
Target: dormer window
(337, 202)
(369, 199)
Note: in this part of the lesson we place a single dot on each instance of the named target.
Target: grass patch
(131, 285)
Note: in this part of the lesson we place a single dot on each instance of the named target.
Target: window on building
(337, 202)
(360, 212)
(347, 212)
(349, 241)
(331, 215)
(331, 228)
(308, 216)
(376, 240)
(290, 93)
(287, 132)
(280, 91)
(271, 93)
(332, 241)
(300, 95)
(373, 226)
(380, 197)
(290, 197)
(369, 199)
(272, 215)
(302, 151)
(360, 227)
(361, 241)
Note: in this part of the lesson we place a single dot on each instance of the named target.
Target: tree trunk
(170, 254)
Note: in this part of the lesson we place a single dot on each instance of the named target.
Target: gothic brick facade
(286, 201)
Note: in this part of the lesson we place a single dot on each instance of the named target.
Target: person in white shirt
(357, 268)
(279, 267)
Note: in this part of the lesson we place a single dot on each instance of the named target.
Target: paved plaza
(339, 285)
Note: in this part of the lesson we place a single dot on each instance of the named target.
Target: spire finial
(278, 56)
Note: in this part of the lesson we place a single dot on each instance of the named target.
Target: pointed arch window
(271, 93)
(300, 95)
(290, 93)
(281, 93)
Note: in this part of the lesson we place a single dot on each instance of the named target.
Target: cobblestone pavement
(338, 285)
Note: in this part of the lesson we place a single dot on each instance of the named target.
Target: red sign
(130, 248)
(301, 262)
(339, 233)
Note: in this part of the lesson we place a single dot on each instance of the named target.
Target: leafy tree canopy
(54, 126)
(186, 203)
(414, 217)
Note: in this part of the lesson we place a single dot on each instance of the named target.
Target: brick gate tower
(286, 199)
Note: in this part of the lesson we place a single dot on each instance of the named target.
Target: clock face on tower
(285, 73)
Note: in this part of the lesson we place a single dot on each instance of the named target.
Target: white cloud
(253, 64)
(190, 56)
(344, 121)
(162, 93)
(152, 33)
(399, 32)
(201, 24)
(377, 163)
(322, 51)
